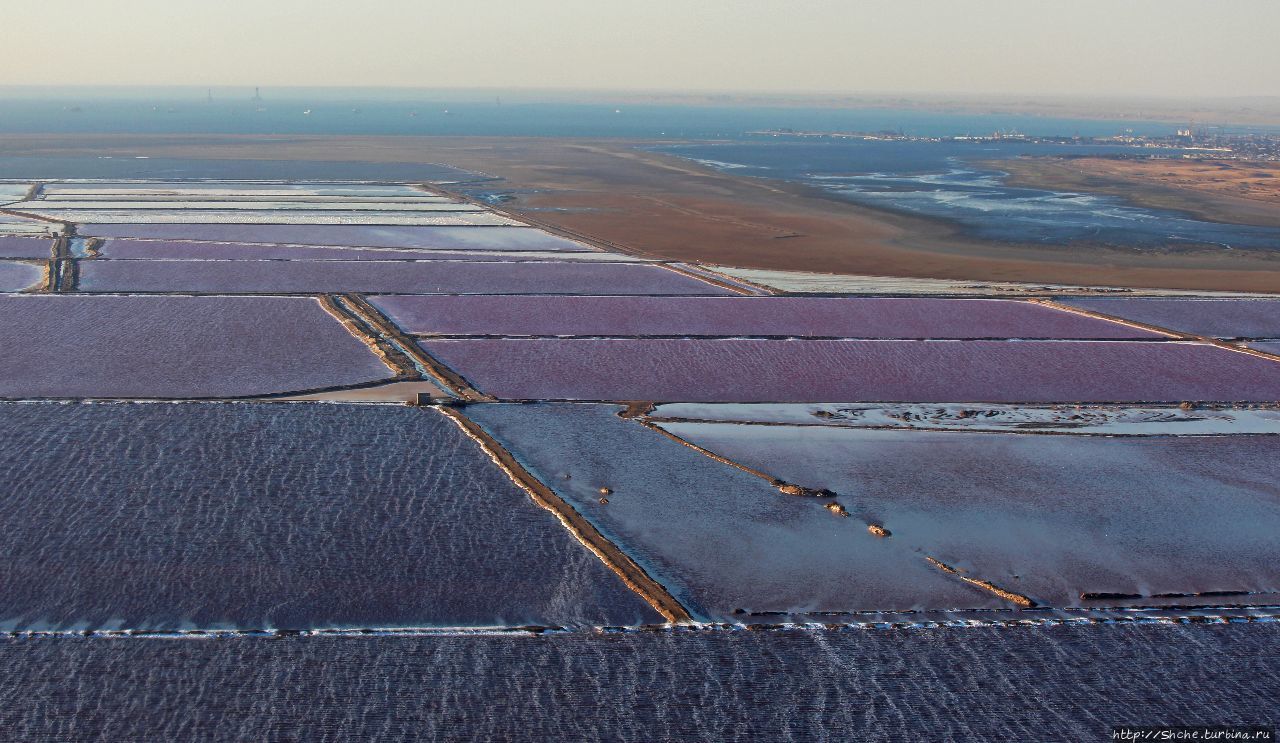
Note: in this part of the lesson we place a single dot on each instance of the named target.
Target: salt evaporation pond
(132, 249)
(1049, 517)
(16, 277)
(858, 371)
(223, 189)
(1017, 683)
(293, 516)
(355, 236)
(25, 247)
(1076, 419)
(1269, 347)
(732, 316)
(13, 191)
(338, 205)
(97, 218)
(79, 168)
(1218, 318)
(720, 540)
(61, 346)
(424, 277)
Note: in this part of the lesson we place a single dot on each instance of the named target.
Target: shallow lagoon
(943, 180)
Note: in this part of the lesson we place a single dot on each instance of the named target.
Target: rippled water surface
(1043, 684)
(290, 516)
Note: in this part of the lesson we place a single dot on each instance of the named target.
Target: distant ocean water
(319, 113)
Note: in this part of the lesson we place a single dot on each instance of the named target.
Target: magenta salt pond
(60, 346)
(433, 277)
(858, 371)
(1219, 318)
(728, 316)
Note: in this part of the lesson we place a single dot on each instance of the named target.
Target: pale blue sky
(1081, 47)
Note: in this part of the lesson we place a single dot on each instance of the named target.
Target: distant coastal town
(1190, 143)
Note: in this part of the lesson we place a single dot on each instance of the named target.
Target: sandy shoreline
(666, 207)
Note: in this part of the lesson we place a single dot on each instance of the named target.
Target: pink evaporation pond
(127, 249)
(77, 346)
(25, 247)
(1052, 517)
(858, 371)
(427, 277)
(356, 236)
(1217, 318)
(749, 316)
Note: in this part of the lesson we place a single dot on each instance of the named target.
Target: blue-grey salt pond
(17, 276)
(1051, 517)
(289, 516)
(25, 248)
(718, 538)
(1017, 683)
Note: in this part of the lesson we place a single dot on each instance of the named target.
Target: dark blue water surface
(1014, 684)
(287, 516)
(945, 180)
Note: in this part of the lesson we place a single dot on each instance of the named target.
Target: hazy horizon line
(906, 95)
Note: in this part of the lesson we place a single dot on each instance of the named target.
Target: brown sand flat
(1214, 190)
(656, 205)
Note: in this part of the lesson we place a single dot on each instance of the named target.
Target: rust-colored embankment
(986, 585)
